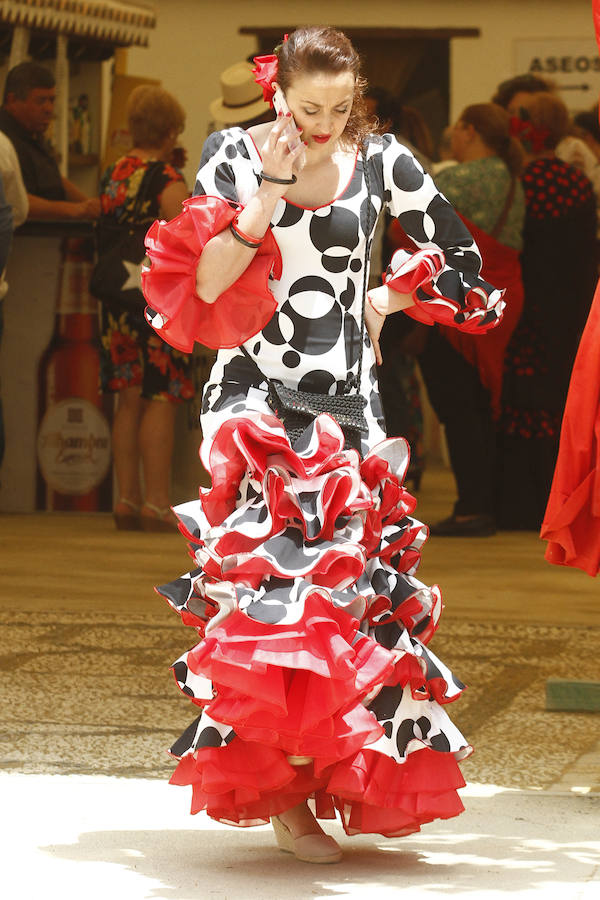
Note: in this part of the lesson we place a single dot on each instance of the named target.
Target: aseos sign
(572, 64)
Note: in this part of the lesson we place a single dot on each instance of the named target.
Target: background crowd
(525, 178)
(523, 175)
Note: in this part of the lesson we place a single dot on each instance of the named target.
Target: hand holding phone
(291, 132)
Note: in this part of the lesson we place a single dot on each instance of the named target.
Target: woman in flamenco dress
(313, 675)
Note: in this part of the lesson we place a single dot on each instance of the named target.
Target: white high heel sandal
(311, 848)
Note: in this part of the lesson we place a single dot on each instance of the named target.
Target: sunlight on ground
(102, 837)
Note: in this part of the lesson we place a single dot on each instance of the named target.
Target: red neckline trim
(323, 205)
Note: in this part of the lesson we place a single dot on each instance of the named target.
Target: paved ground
(85, 803)
(75, 837)
(90, 692)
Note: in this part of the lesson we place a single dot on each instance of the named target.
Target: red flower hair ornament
(533, 139)
(265, 74)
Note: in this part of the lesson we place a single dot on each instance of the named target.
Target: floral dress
(313, 674)
(131, 353)
(478, 189)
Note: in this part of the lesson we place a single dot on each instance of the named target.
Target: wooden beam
(19, 46)
(61, 75)
(383, 33)
(120, 61)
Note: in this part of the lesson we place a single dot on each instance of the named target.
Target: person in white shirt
(14, 192)
(14, 189)
(14, 207)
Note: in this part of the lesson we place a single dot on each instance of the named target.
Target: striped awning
(119, 23)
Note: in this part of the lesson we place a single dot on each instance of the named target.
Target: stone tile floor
(85, 647)
(86, 695)
(90, 693)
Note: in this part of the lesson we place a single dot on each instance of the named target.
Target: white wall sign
(572, 64)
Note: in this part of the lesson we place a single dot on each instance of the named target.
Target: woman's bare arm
(381, 302)
(171, 199)
(387, 301)
(224, 259)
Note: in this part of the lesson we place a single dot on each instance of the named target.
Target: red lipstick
(321, 138)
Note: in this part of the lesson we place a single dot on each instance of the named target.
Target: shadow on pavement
(507, 843)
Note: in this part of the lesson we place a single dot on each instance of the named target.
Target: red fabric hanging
(572, 521)
(486, 351)
(175, 310)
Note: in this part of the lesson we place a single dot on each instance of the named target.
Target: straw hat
(242, 97)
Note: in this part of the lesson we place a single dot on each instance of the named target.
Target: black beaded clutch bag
(297, 409)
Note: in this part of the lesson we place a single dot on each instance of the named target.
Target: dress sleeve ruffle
(443, 276)
(442, 294)
(175, 310)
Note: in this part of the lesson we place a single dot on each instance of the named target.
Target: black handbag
(120, 250)
(297, 409)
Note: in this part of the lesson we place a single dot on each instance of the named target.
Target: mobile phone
(291, 132)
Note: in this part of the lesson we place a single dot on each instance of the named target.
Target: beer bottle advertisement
(73, 442)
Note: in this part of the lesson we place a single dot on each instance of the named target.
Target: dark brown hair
(324, 49)
(492, 124)
(587, 122)
(410, 124)
(26, 77)
(549, 114)
(404, 121)
(520, 84)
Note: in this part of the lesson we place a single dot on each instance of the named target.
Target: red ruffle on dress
(312, 676)
(314, 637)
(572, 521)
(440, 296)
(175, 310)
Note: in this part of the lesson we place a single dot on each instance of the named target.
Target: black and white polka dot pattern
(310, 534)
(290, 536)
(311, 343)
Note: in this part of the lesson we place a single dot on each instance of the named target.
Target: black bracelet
(252, 244)
(272, 178)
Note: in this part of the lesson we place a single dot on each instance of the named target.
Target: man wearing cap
(241, 102)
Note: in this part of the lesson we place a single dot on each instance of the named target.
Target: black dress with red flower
(131, 353)
(559, 275)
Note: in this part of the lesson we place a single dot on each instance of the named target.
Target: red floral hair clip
(265, 74)
(534, 139)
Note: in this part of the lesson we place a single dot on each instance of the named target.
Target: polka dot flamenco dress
(312, 676)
